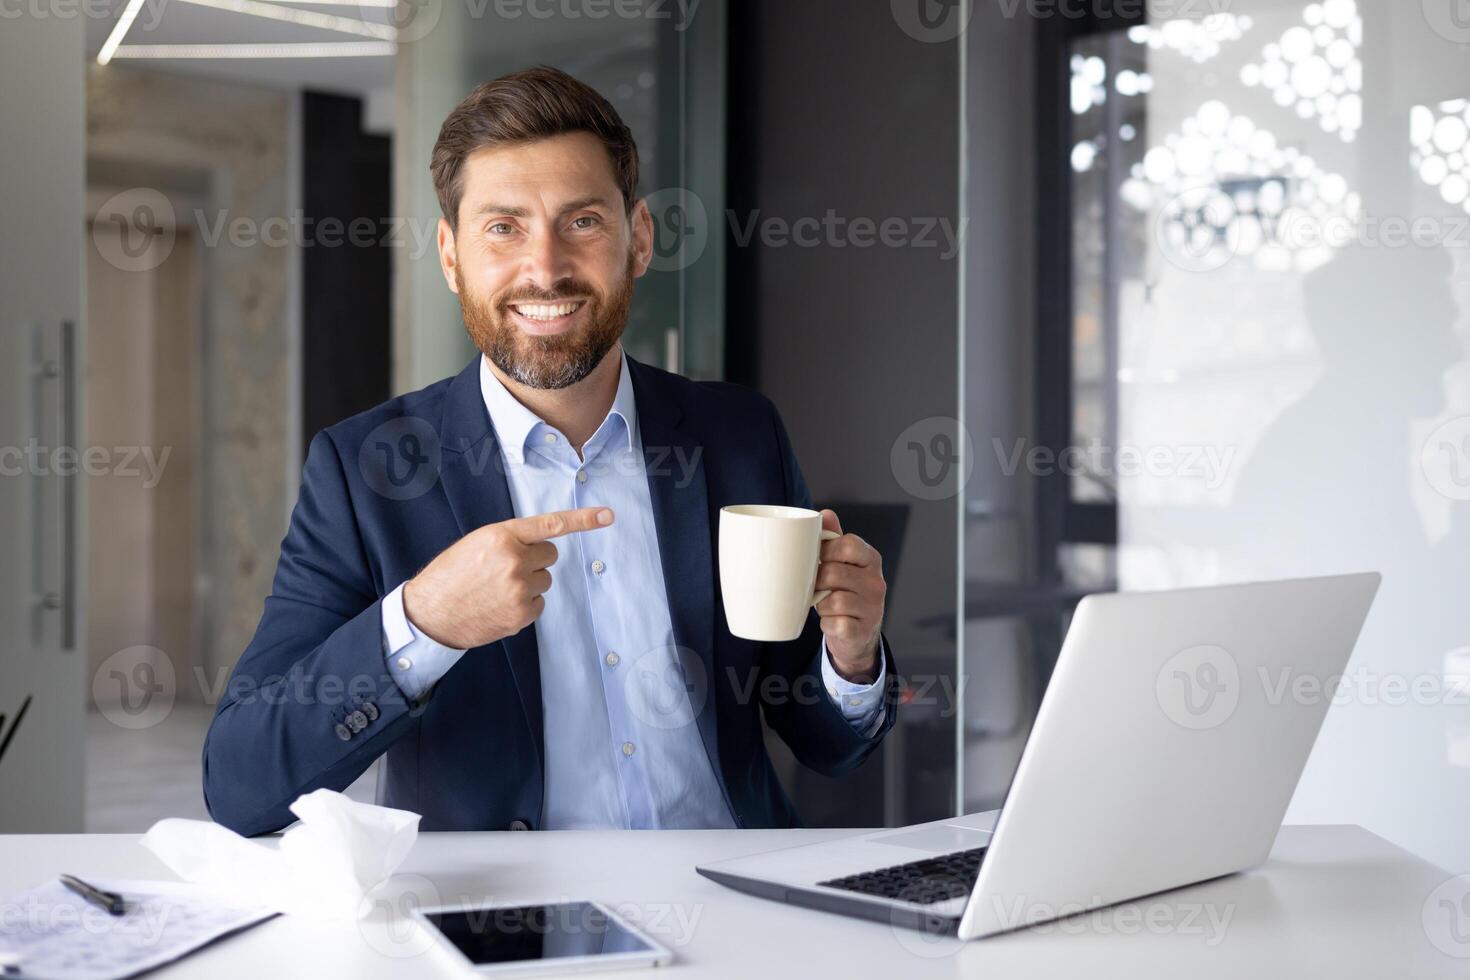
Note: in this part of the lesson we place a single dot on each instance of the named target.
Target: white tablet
(523, 940)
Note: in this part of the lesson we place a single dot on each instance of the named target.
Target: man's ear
(448, 257)
(642, 222)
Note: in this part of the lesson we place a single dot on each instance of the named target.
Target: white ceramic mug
(768, 568)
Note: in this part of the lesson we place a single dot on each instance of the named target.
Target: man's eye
(585, 222)
(500, 228)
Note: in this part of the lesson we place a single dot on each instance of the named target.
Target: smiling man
(504, 584)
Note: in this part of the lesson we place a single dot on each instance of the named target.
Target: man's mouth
(547, 311)
(546, 318)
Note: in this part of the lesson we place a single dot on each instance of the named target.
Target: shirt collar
(514, 423)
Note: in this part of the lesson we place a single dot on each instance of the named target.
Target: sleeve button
(343, 732)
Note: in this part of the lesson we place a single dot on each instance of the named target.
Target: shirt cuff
(414, 661)
(861, 704)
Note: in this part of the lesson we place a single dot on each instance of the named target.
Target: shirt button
(404, 663)
(855, 702)
(550, 437)
(581, 476)
(597, 566)
(612, 659)
(629, 748)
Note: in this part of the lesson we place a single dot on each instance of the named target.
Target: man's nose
(547, 262)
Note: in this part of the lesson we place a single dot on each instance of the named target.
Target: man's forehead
(574, 165)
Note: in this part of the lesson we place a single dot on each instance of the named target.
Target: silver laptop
(1165, 752)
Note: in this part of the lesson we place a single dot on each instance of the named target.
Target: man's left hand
(853, 614)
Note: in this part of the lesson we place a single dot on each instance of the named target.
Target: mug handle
(826, 536)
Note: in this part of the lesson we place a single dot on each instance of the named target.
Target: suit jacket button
(519, 824)
(369, 709)
(357, 721)
(343, 732)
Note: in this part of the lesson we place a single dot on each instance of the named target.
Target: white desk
(1332, 902)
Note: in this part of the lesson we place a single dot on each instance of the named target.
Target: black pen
(111, 901)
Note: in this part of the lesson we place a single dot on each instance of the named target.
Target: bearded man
(504, 584)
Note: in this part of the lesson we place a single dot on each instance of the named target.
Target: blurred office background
(1054, 298)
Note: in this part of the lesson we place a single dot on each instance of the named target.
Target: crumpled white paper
(321, 868)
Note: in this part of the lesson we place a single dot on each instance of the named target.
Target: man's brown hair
(529, 105)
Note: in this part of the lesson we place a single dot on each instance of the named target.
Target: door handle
(62, 598)
(69, 486)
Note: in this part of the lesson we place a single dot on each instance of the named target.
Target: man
(505, 583)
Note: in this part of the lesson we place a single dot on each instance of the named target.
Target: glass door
(42, 666)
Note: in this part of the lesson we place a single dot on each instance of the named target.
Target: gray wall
(838, 109)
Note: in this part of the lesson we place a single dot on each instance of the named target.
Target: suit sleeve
(814, 728)
(310, 703)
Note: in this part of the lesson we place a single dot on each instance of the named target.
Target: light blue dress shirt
(622, 748)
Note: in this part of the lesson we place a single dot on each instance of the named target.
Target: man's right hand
(490, 584)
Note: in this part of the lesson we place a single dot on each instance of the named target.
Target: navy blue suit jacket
(310, 703)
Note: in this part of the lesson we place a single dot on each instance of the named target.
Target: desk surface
(1331, 902)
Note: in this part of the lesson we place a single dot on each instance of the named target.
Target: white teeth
(545, 311)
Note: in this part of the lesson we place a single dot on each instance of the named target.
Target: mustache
(566, 289)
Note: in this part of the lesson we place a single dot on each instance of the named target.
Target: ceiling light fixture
(1440, 135)
(109, 47)
(383, 34)
(330, 49)
(305, 18)
(1314, 68)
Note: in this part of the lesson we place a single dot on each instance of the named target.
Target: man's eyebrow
(591, 201)
(511, 211)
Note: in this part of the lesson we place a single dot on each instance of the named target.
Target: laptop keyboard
(921, 882)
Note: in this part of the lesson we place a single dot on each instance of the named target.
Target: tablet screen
(534, 932)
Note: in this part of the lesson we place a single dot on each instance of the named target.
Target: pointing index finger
(544, 527)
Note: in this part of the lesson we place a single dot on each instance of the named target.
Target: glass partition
(1249, 358)
(1292, 348)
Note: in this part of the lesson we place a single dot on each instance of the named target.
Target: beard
(547, 362)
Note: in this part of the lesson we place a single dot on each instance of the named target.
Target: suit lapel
(473, 475)
(674, 460)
